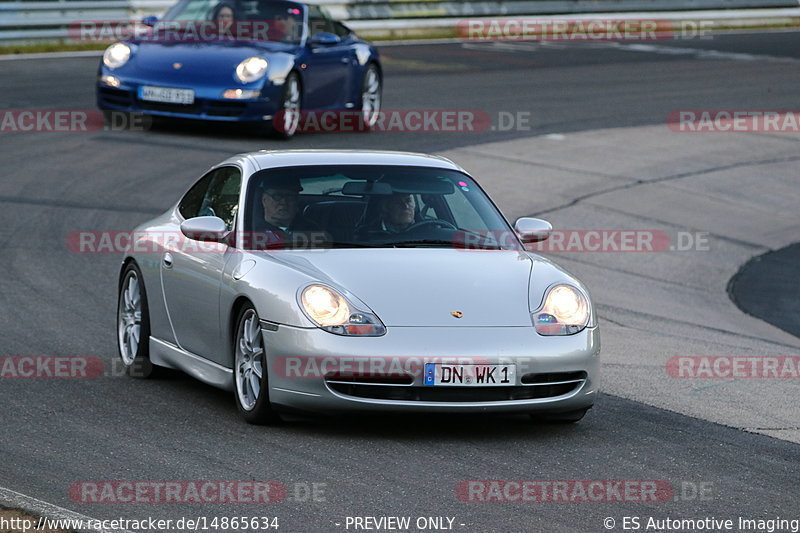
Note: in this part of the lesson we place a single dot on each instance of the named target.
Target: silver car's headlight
(334, 313)
(251, 69)
(116, 55)
(565, 312)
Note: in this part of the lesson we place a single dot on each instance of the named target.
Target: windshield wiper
(421, 242)
(339, 244)
(322, 245)
(431, 243)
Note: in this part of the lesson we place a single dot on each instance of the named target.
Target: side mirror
(325, 38)
(206, 229)
(150, 20)
(532, 229)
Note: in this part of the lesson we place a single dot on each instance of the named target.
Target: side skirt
(168, 355)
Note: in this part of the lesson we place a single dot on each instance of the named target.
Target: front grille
(454, 394)
(226, 109)
(169, 108)
(116, 97)
(369, 379)
(553, 377)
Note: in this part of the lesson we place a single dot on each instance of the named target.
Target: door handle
(345, 60)
(167, 260)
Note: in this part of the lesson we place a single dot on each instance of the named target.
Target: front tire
(371, 97)
(286, 121)
(133, 324)
(251, 386)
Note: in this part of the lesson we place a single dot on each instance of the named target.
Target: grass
(39, 48)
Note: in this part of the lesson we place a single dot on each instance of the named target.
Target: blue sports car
(259, 61)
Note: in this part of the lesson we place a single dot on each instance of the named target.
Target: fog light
(240, 94)
(111, 81)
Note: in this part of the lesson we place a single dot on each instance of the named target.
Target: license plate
(470, 375)
(166, 95)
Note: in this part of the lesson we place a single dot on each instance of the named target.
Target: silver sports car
(332, 281)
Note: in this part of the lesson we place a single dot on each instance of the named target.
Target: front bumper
(208, 103)
(313, 370)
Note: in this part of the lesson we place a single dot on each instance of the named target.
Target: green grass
(51, 47)
(408, 34)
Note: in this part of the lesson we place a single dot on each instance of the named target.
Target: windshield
(371, 206)
(266, 20)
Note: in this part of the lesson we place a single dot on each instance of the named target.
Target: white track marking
(34, 506)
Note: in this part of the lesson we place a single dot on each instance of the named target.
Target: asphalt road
(766, 287)
(54, 302)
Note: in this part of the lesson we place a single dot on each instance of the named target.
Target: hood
(201, 62)
(422, 286)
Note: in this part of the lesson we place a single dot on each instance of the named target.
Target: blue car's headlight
(565, 312)
(116, 55)
(332, 312)
(251, 69)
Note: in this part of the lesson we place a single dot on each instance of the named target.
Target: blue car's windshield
(272, 20)
(371, 206)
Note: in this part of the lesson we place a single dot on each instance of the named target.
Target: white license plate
(470, 375)
(166, 95)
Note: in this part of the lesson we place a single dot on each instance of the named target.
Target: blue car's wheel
(287, 119)
(371, 95)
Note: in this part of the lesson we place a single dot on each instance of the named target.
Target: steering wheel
(438, 222)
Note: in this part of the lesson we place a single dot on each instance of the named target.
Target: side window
(197, 10)
(215, 195)
(222, 198)
(193, 200)
(318, 21)
(340, 29)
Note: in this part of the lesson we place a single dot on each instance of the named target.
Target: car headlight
(332, 312)
(251, 69)
(116, 55)
(565, 312)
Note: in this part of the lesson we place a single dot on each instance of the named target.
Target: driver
(397, 213)
(283, 28)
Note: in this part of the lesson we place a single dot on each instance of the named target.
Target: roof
(265, 159)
